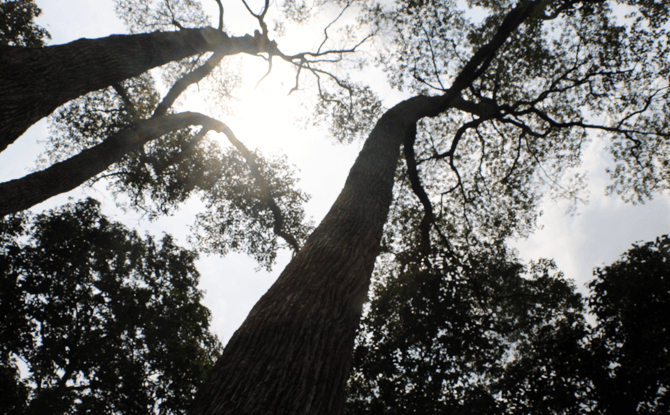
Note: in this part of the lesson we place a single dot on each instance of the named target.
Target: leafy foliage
(482, 337)
(631, 299)
(238, 220)
(102, 321)
(17, 26)
(89, 120)
(349, 109)
(436, 340)
(170, 170)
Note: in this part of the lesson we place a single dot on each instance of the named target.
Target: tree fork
(36, 81)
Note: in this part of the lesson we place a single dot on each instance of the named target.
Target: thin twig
(220, 14)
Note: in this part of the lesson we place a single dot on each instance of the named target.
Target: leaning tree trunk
(36, 81)
(292, 354)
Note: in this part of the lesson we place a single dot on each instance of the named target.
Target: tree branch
(260, 16)
(185, 81)
(23, 193)
(126, 101)
(419, 191)
(220, 14)
(266, 193)
(30, 87)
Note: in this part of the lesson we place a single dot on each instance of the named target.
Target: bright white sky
(597, 235)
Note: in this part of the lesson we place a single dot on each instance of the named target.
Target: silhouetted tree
(98, 319)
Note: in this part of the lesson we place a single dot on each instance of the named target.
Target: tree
(482, 339)
(631, 300)
(499, 108)
(102, 321)
(454, 338)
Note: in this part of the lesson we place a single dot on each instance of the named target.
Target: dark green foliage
(102, 321)
(17, 26)
(438, 340)
(631, 299)
(238, 220)
(484, 338)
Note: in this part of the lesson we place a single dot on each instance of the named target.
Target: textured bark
(302, 330)
(36, 81)
(23, 193)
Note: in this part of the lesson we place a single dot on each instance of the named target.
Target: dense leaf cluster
(17, 26)
(96, 319)
(631, 299)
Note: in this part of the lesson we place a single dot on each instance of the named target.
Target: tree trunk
(36, 81)
(23, 193)
(292, 354)
(302, 330)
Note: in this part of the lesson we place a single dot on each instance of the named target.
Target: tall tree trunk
(302, 330)
(36, 81)
(292, 354)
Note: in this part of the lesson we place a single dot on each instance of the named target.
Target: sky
(597, 235)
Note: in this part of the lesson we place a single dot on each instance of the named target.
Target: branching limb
(325, 30)
(291, 58)
(432, 57)
(457, 138)
(260, 16)
(176, 23)
(297, 78)
(267, 73)
(186, 81)
(417, 188)
(266, 194)
(174, 18)
(481, 60)
(23, 193)
(126, 101)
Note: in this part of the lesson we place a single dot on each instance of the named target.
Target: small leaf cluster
(237, 217)
(17, 26)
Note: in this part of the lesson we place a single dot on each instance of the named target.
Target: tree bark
(17, 195)
(36, 81)
(302, 330)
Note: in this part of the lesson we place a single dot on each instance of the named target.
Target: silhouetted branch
(187, 80)
(220, 14)
(266, 194)
(126, 101)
